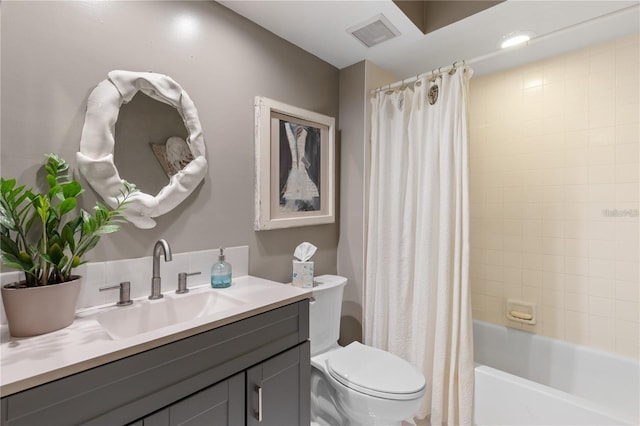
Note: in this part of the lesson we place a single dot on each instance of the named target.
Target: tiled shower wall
(554, 191)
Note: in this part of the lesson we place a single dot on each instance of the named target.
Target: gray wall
(350, 246)
(356, 82)
(53, 55)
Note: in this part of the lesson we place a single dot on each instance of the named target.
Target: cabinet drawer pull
(259, 412)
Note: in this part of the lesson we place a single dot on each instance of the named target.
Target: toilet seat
(375, 372)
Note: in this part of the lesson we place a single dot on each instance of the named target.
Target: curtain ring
(433, 77)
(418, 83)
(389, 91)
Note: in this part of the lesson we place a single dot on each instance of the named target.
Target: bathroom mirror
(183, 159)
(142, 132)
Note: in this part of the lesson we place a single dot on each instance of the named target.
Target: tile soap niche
(522, 312)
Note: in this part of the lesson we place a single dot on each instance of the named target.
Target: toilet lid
(375, 372)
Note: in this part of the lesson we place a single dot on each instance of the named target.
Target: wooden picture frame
(294, 166)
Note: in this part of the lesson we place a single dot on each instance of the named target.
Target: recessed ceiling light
(515, 39)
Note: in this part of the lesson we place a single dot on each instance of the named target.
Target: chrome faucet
(161, 246)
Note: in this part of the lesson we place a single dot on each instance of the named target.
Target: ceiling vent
(374, 31)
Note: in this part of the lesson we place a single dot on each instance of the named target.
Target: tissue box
(302, 274)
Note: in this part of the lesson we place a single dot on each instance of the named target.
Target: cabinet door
(278, 390)
(220, 404)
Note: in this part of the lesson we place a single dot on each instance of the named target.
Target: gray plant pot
(38, 310)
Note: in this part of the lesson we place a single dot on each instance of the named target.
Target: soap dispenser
(221, 272)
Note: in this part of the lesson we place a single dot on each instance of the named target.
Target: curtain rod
(497, 52)
(411, 80)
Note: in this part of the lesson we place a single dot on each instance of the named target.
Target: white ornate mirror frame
(95, 158)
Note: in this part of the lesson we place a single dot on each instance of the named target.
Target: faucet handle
(182, 282)
(125, 293)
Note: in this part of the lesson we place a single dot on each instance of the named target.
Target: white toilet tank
(324, 312)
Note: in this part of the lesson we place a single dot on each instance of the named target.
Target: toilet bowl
(355, 384)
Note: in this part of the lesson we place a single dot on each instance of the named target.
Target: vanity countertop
(29, 362)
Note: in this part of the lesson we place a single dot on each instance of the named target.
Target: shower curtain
(417, 297)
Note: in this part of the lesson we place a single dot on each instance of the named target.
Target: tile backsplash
(139, 270)
(554, 192)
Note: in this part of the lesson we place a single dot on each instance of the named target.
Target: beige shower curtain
(417, 297)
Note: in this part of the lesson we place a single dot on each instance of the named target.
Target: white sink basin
(148, 315)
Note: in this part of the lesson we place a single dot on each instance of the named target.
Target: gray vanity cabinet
(209, 378)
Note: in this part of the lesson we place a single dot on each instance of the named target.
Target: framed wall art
(294, 166)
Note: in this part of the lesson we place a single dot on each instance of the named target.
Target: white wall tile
(554, 211)
(553, 228)
(512, 275)
(627, 329)
(601, 287)
(601, 249)
(532, 278)
(605, 154)
(512, 291)
(576, 283)
(602, 136)
(627, 250)
(628, 172)
(553, 324)
(628, 291)
(627, 271)
(628, 311)
(533, 261)
(602, 268)
(575, 139)
(577, 302)
(577, 193)
(576, 265)
(554, 263)
(626, 113)
(628, 347)
(576, 211)
(566, 157)
(627, 192)
(600, 335)
(575, 248)
(577, 327)
(627, 133)
(626, 153)
(602, 174)
(575, 229)
(602, 230)
(553, 298)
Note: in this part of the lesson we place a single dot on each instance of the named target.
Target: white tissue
(304, 251)
(302, 267)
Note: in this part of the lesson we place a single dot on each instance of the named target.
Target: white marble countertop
(29, 362)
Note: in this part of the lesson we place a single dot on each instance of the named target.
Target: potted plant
(45, 236)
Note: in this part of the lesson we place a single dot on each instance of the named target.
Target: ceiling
(320, 27)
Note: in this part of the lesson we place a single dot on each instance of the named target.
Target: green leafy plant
(39, 234)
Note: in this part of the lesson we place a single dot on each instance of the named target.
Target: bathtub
(527, 379)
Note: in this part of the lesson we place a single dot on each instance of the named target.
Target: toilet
(355, 384)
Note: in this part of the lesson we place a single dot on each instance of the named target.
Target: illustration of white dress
(299, 184)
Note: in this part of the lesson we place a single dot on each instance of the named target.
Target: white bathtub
(527, 379)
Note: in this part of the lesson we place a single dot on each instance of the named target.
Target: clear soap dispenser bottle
(221, 272)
